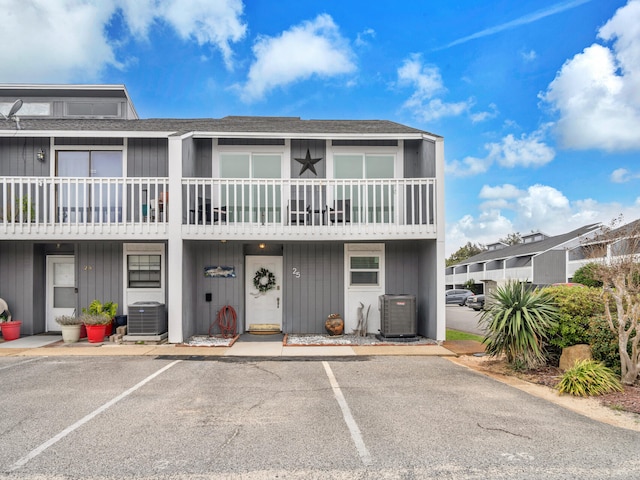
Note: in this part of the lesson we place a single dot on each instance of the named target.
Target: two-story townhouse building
(540, 259)
(285, 220)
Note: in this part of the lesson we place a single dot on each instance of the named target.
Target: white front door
(61, 288)
(263, 307)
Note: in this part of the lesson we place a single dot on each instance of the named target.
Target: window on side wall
(143, 271)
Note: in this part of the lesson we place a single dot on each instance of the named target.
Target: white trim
(158, 294)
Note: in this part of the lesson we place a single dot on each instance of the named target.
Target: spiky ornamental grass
(587, 378)
(517, 321)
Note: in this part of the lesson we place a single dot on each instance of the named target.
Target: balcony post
(174, 245)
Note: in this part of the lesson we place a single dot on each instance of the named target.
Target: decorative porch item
(96, 327)
(70, 327)
(106, 309)
(308, 163)
(264, 280)
(11, 330)
(220, 271)
(334, 324)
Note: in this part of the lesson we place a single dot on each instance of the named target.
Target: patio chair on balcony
(341, 211)
(298, 212)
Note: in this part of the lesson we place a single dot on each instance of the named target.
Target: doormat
(263, 328)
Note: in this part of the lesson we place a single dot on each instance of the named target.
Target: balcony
(309, 209)
(76, 208)
(42, 208)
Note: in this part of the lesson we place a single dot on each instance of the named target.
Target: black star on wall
(308, 163)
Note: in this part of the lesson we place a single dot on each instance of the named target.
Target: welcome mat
(263, 328)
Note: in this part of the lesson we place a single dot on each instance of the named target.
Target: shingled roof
(230, 125)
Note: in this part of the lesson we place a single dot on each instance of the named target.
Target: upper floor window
(28, 109)
(363, 166)
(250, 165)
(93, 109)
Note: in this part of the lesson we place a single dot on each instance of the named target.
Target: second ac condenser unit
(147, 318)
(397, 315)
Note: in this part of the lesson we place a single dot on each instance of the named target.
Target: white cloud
(538, 207)
(208, 23)
(597, 92)
(529, 56)
(501, 191)
(67, 40)
(526, 151)
(312, 48)
(483, 116)
(427, 84)
(361, 39)
(622, 175)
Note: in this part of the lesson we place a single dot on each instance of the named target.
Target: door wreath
(264, 280)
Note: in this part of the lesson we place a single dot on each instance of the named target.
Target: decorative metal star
(308, 163)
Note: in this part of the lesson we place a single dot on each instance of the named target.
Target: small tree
(586, 275)
(464, 252)
(512, 239)
(619, 273)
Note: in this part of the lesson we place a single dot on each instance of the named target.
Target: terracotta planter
(11, 330)
(96, 333)
(335, 326)
(70, 333)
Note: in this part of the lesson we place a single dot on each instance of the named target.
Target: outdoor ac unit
(398, 315)
(147, 318)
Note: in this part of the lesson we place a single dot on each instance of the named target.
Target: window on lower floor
(144, 271)
(364, 270)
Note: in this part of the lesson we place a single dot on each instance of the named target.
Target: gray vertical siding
(550, 267)
(401, 268)
(224, 291)
(18, 157)
(319, 290)
(203, 155)
(148, 157)
(317, 149)
(17, 286)
(428, 292)
(99, 273)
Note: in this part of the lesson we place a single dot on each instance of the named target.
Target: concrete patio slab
(408, 350)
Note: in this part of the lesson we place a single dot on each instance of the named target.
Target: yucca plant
(517, 321)
(588, 377)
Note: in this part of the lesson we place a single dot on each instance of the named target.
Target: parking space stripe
(19, 363)
(37, 451)
(348, 418)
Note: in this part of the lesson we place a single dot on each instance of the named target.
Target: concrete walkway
(51, 345)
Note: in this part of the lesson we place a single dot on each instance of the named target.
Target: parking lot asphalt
(365, 417)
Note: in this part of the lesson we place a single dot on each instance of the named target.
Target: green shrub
(604, 344)
(587, 378)
(586, 275)
(517, 322)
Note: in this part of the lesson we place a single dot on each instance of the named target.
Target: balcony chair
(298, 212)
(341, 211)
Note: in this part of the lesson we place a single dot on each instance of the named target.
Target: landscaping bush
(586, 275)
(587, 378)
(517, 323)
(577, 309)
(604, 344)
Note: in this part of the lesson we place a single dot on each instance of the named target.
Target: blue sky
(538, 101)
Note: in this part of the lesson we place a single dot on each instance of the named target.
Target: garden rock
(571, 355)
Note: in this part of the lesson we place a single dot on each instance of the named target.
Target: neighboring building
(539, 259)
(96, 203)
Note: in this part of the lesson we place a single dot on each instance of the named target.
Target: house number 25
(295, 272)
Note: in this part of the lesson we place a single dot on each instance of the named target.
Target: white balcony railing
(228, 208)
(64, 205)
(281, 207)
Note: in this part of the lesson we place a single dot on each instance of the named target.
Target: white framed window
(144, 266)
(364, 269)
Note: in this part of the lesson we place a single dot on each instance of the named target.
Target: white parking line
(19, 363)
(37, 451)
(348, 418)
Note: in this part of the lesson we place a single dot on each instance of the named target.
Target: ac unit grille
(398, 315)
(146, 318)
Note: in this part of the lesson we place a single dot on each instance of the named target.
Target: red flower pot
(96, 333)
(11, 330)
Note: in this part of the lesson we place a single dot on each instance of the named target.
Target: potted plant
(107, 309)
(96, 326)
(10, 328)
(70, 327)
